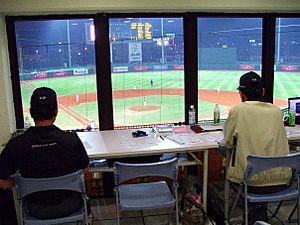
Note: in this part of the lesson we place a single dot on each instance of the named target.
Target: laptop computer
(296, 103)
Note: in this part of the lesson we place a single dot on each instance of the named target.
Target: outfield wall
(90, 70)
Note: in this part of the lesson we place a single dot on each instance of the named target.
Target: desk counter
(120, 143)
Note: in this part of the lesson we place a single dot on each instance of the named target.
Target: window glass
(147, 70)
(227, 48)
(287, 60)
(60, 54)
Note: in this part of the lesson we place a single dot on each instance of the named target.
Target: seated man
(45, 151)
(257, 128)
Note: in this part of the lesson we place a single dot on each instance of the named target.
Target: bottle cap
(192, 106)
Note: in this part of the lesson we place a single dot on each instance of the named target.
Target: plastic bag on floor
(193, 212)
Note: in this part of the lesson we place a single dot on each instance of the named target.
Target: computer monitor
(296, 103)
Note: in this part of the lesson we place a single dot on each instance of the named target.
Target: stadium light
(162, 36)
(92, 32)
(69, 43)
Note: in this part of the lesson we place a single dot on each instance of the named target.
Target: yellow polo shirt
(259, 130)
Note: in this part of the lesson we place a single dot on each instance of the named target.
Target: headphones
(139, 133)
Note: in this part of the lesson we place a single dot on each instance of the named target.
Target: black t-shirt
(43, 152)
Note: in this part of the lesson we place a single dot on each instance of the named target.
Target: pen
(162, 138)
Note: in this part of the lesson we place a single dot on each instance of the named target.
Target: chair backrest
(258, 164)
(73, 181)
(261, 223)
(126, 171)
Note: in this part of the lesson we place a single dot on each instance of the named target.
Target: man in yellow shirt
(256, 128)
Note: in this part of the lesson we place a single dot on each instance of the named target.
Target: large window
(140, 60)
(287, 60)
(227, 48)
(60, 54)
(147, 70)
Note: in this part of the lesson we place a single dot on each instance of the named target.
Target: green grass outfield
(286, 85)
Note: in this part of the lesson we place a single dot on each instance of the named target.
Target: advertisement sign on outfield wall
(39, 75)
(247, 67)
(289, 68)
(140, 68)
(178, 66)
(60, 73)
(160, 67)
(80, 71)
(119, 69)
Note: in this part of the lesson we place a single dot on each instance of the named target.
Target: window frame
(102, 56)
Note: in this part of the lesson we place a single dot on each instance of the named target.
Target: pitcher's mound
(140, 108)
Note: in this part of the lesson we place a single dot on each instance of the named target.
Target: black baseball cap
(250, 80)
(43, 98)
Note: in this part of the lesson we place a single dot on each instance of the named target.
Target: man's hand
(7, 183)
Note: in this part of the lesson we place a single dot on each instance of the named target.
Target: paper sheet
(293, 131)
(212, 127)
(139, 142)
(185, 139)
(216, 136)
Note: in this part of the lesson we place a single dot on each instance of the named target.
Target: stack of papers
(293, 131)
(216, 136)
(212, 127)
(141, 142)
(164, 128)
(185, 139)
(182, 130)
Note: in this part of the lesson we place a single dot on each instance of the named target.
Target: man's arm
(8, 165)
(84, 158)
(230, 132)
(7, 183)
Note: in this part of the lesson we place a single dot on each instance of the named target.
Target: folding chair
(142, 196)
(261, 223)
(256, 164)
(73, 182)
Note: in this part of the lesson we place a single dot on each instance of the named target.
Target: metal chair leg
(117, 208)
(276, 210)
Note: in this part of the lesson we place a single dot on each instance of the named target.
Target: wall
(7, 122)
(15, 7)
(40, 7)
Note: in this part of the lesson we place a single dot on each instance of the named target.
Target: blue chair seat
(149, 195)
(145, 196)
(78, 216)
(286, 194)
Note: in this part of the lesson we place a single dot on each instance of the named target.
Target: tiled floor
(104, 211)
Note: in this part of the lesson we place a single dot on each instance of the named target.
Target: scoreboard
(143, 31)
(134, 31)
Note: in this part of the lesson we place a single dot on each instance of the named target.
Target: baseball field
(150, 97)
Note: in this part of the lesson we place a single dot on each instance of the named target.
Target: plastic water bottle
(292, 114)
(93, 124)
(27, 123)
(192, 116)
(216, 114)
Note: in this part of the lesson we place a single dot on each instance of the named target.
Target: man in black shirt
(45, 151)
